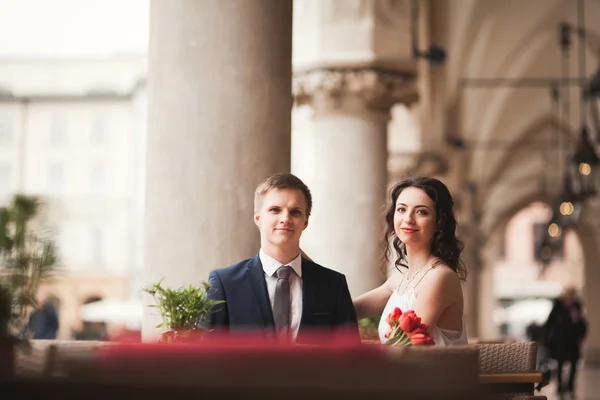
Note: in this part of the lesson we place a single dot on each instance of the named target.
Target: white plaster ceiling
(510, 39)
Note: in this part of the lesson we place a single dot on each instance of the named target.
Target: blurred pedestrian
(43, 321)
(565, 331)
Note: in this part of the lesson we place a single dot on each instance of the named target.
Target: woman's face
(414, 218)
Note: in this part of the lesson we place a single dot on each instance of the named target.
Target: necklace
(414, 276)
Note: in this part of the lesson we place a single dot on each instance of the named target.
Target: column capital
(377, 88)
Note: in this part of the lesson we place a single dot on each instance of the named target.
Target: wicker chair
(506, 358)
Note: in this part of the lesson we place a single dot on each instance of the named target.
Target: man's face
(41, 299)
(281, 218)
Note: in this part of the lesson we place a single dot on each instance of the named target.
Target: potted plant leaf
(27, 259)
(182, 311)
(368, 329)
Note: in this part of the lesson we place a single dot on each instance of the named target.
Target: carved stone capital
(376, 88)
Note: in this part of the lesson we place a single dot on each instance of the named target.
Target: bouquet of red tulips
(406, 329)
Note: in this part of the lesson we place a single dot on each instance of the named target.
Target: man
(43, 321)
(564, 331)
(277, 290)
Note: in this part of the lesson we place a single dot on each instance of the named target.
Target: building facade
(71, 131)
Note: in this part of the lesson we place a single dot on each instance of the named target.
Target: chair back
(507, 357)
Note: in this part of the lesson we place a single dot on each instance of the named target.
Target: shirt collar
(270, 265)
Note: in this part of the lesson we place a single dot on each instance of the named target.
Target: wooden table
(511, 377)
(510, 382)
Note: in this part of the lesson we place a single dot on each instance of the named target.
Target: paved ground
(587, 387)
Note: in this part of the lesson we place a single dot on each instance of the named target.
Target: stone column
(340, 151)
(219, 89)
(591, 299)
(467, 207)
(352, 62)
(486, 327)
(589, 236)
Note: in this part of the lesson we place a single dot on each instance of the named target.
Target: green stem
(406, 341)
(394, 339)
(401, 339)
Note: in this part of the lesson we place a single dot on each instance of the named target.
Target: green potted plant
(369, 328)
(182, 311)
(27, 259)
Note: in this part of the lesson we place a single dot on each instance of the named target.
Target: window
(55, 180)
(6, 130)
(98, 179)
(96, 247)
(5, 179)
(99, 130)
(58, 130)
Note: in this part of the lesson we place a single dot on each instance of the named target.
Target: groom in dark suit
(277, 291)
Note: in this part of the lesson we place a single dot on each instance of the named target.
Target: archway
(522, 289)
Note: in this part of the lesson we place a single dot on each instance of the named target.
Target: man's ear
(257, 219)
(305, 224)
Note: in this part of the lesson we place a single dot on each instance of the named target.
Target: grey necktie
(281, 306)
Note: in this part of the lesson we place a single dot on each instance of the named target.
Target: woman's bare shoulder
(443, 277)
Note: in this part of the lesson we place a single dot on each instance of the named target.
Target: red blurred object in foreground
(242, 359)
(224, 344)
(241, 339)
(321, 365)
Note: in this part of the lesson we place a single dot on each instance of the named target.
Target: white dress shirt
(270, 267)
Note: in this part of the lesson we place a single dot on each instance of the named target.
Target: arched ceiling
(510, 39)
(519, 187)
(544, 139)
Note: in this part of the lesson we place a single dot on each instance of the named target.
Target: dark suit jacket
(326, 301)
(563, 336)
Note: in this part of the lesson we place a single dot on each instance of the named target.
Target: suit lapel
(309, 291)
(256, 278)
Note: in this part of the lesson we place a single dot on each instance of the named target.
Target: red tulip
(394, 316)
(409, 321)
(421, 329)
(420, 339)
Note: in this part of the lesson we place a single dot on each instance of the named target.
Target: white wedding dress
(406, 301)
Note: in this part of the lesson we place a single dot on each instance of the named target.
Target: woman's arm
(372, 303)
(440, 290)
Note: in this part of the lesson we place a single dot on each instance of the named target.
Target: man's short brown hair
(282, 181)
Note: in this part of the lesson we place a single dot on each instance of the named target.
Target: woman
(421, 225)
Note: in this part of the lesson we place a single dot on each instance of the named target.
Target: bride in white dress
(421, 226)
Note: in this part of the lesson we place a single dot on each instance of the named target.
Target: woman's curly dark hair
(445, 244)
